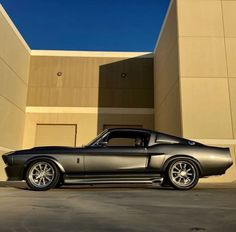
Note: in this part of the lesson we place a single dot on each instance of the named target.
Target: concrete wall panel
(12, 87)
(91, 82)
(232, 86)
(200, 18)
(11, 125)
(229, 16)
(231, 56)
(14, 70)
(166, 74)
(168, 114)
(12, 50)
(166, 77)
(206, 108)
(202, 57)
(55, 135)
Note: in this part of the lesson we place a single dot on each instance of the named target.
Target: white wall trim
(89, 110)
(91, 54)
(12, 25)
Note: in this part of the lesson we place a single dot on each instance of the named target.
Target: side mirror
(103, 143)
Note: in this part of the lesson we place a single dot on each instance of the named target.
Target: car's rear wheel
(183, 174)
(42, 175)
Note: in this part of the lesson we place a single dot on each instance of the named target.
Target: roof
(130, 129)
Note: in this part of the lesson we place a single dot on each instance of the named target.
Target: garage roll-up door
(56, 135)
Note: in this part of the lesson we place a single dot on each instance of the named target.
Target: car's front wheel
(183, 174)
(42, 175)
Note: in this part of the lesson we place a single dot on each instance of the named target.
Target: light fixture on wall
(123, 75)
(59, 74)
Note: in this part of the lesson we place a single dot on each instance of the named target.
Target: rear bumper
(215, 161)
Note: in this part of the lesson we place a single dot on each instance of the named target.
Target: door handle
(78, 160)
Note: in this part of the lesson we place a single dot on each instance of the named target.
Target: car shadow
(201, 186)
(113, 186)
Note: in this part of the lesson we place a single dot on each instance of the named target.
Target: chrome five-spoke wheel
(42, 175)
(183, 174)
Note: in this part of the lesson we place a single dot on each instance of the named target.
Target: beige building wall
(86, 121)
(166, 77)
(205, 38)
(89, 90)
(194, 77)
(89, 80)
(14, 70)
(207, 72)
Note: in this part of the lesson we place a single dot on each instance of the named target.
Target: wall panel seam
(12, 103)
(205, 36)
(171, 89)
(182, 76)
(10, 68)
(165, 60)
(227, 70)
(179, 71)
(201, 36)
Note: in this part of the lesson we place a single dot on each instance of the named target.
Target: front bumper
(14, 173)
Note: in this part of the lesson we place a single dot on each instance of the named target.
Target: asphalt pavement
(208, 207)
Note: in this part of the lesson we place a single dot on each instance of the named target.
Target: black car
(120, 155)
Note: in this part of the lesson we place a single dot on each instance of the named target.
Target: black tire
(59, 184)
(42, 175)
(183, 174)
(165, 182)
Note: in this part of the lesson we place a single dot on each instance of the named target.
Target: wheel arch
(188, 157)
(44, 158)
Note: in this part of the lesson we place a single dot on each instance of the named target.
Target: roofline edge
(14, 28)
(91, 53)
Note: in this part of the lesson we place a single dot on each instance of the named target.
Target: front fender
(28, 162)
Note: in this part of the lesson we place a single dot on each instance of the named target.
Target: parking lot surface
(206, 208)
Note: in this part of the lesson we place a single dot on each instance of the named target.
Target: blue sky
(88, 25)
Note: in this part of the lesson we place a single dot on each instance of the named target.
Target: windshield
(99, 136)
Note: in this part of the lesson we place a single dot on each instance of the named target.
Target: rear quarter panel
(211, 160)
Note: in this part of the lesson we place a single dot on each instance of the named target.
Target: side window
(128, 142)
(127, 139)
